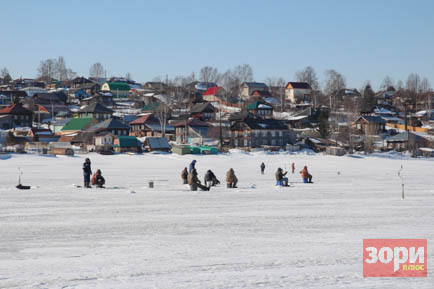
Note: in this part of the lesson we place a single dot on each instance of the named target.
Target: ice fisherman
(281, 180)
(231, 179)
(307, 178)
(98, 179)
(192, 166)
(194, 182)
(87, 172)
(262, 168)
(184, 176)
(210, 179)
(293, 167)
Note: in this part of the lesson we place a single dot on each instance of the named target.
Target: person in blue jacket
(192, 166)
(87, 172)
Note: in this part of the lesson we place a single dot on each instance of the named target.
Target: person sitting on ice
(98, 179)
(307, 178)
(281, 180)
(184, 176)
(192, 166)
(210, 179)
(231, 179)
(194, 182)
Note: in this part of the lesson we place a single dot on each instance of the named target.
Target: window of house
(246, 133)
(280, 133)
(246, 142)
(359, 126)
(264, 133)
(273, 142)
(273, 133)
(236, 142)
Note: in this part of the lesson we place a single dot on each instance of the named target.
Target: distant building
(15, 115)
(118, 89)
(251, 132)
(247, 88)
(260, 109)
(111, 125)
(297, 92)
(95, 110)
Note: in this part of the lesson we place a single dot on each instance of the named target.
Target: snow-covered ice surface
(307, 236)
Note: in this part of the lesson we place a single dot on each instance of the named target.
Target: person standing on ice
(194, 182)
(293, 167)
(307, 178)
(87, 172)
(262, 168)
(184, 176)
(280, 178)
(192, 166)
(231, 179)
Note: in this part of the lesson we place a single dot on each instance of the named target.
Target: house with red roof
(150, 126)
(214, 94)
(14, 116)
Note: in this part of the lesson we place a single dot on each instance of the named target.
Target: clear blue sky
(363, 40)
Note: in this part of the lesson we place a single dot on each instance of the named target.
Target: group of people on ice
(190, 177)
(97, 178)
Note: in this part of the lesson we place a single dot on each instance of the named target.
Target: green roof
(78, 123)
(258, 104)
(118, 86)
(127, 141)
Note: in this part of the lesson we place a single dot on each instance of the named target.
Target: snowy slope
(257, 236)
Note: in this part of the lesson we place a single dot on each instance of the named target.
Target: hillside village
(118, 115)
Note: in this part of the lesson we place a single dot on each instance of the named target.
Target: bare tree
(386, 83)
(5, 76)
(425, 86)
(46, 69)
(333, 83)
(208, 74)
(308, 75)
(413, 83)
(243, 73)
(96, 70)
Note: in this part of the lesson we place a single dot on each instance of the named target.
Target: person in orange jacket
(307, 178)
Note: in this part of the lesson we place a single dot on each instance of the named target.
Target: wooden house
(252, 132)
(148, 125)
(260, 109)
(247, 88)
(118, 89)
(368, 124)
(95, 110)
(111, 125)
(204, 111)
(126, 144)
(15, 115)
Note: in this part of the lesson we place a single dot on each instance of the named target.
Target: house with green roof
(118, 89)
(260, 109)
(79, 124)
(126, 144)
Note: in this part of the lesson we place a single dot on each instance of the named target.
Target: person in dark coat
(184, 176)
(280, 178)
(210, 179)
(293, 167)
(262, 168)
(192, 166)
(194, 182)
(87, 172)
(98, 179)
